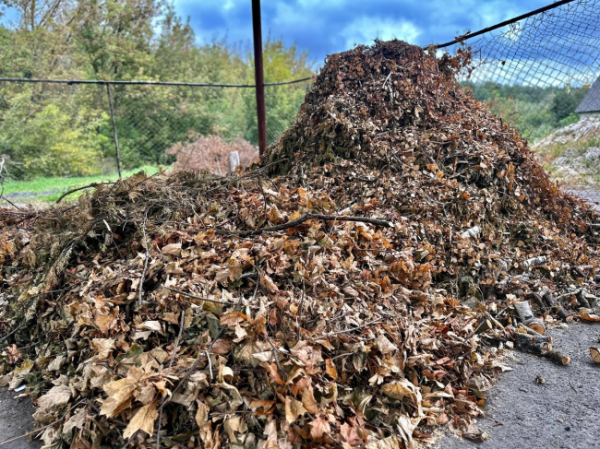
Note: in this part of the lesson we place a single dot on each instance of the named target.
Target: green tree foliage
(534, 111)
(126, 40)
(565, 102)
(50, 141)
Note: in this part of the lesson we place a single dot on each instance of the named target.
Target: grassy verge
(49, 189)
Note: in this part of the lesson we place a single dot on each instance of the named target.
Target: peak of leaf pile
(330, 297)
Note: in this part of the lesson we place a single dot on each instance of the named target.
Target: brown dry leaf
(14, 354)
(595, 353)
(56, 397)
(331, 369)
(173, 249)
(232, 426)
(76, 421)
(262, 406)
(271, 434)
(319, 427)
(293, 409)
(103, 346)
(400, 389)
(142, 420)
(408, 426)
(202, 414)
(587, 315)
(267, 282)
(19, 374)
(385, 345)
(120, 394)
(151, 325)
(387, 443)
(309, 402)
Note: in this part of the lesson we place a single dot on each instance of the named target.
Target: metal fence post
(261, 114)
(114, 125)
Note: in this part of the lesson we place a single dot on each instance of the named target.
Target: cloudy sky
(328, 26)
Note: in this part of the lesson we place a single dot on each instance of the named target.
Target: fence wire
(535, 73)
(56, 128)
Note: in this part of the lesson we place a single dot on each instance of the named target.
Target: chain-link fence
(535, 72)
(538, 72)
(51, 128)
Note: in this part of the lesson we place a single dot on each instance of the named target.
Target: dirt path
(564, 413)
(522, 414)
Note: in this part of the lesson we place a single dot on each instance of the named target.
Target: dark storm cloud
(327, 26)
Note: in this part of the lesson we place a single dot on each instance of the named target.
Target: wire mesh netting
(535, 74)
(60, 129)
(538, 73)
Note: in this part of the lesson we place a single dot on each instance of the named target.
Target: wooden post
(259, 76)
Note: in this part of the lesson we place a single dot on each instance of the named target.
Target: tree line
(534, 111)
(61, 130)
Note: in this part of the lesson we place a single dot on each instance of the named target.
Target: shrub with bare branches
(211, 153)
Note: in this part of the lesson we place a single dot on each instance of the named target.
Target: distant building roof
(591, 101)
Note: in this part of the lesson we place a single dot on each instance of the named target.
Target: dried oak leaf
(319, 427)
(293, 409)
(56, 397)
(142, 420)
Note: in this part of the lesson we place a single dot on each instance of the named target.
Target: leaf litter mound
(357, 288)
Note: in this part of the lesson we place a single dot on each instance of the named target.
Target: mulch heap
(354, 289)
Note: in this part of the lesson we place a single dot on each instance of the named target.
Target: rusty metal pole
(259, 75)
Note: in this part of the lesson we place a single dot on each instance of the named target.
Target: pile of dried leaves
(353, 290)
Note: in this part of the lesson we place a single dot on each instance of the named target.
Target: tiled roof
(591, 102)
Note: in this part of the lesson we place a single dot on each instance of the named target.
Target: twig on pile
(209, 364)
(534, 261)
(181, 325)
(564, 295)
(141, 287)
(192, 368)
(33, 432)
(342, 355)
(554, 306)
(300, 309)
(582, 300)
(331, 334)
(2, 197)
(262, 190)
(17, 329)
(189, 295)
(275, 352)
(386, 80)
(89, 186)
(299, 221)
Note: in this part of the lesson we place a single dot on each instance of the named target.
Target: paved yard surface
(563, 414)
(15, 420)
